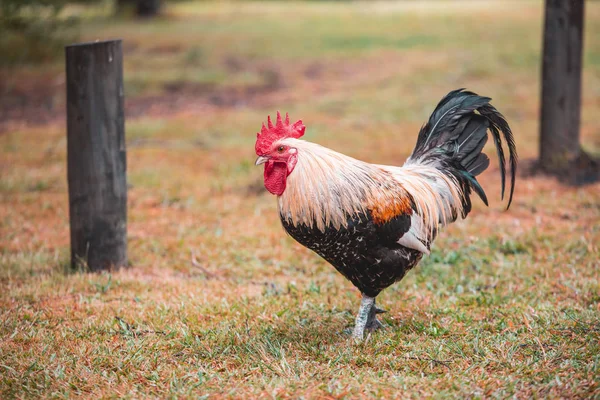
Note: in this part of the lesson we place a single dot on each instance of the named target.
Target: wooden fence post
(96, 155)
(561, 84)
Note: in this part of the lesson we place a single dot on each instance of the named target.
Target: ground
(217, 300)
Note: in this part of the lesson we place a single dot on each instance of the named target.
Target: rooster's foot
(367, 318)
(373, 323)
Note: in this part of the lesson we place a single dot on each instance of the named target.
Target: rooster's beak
(261, 160)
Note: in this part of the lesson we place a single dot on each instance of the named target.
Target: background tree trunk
(142, 8)
(561, 84)
(148, 8)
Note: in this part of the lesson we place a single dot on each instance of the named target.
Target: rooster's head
(278, 156)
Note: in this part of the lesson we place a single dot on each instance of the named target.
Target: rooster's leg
(366, 317)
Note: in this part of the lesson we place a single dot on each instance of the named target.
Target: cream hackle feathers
(326, 186)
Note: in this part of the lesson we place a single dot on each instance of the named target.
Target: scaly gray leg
(366, 317)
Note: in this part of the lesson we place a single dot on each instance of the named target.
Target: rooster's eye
(280, 149)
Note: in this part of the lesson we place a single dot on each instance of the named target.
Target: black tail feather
(472, 139)
(478, 165)
(499, 127)
(457, 132)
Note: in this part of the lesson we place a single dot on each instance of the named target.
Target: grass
(507, 305)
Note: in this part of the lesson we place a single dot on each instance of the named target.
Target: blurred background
(190, 56)
(209, 262)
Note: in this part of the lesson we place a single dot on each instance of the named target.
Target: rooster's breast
(366, 253)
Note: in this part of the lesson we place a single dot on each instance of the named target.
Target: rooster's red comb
(282, 129)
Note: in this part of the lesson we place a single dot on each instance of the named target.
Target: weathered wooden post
(96, 155)
(561, 84)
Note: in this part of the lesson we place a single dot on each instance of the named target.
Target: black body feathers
(366, 253)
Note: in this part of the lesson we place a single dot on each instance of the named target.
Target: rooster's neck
(326, 187)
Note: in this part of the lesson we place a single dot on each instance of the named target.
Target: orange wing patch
(384, 211)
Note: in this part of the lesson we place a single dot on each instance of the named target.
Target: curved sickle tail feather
(499, 125)
(455, 135)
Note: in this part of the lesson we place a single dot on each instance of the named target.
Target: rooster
(372, 222)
